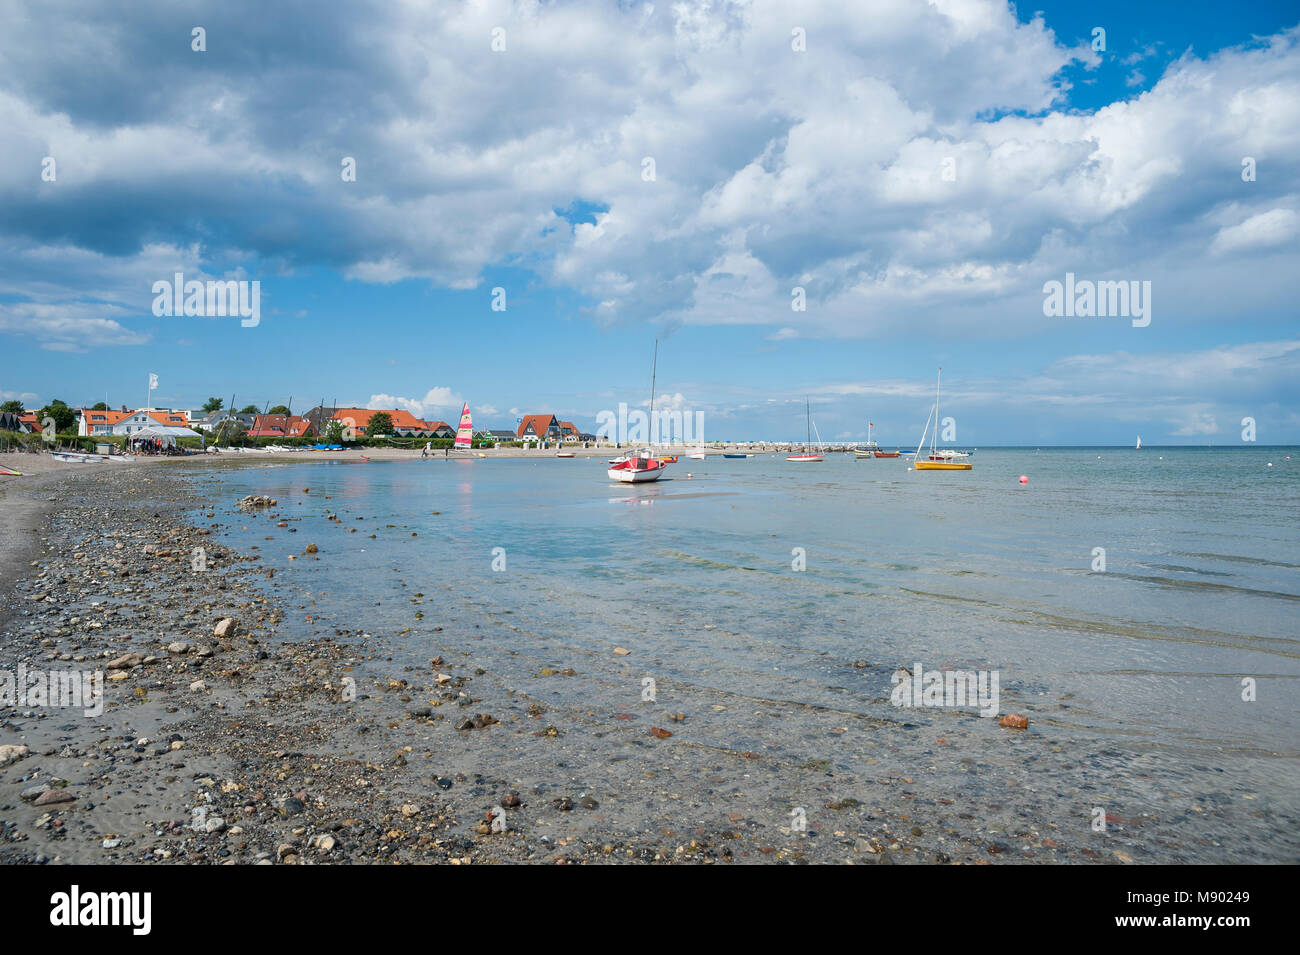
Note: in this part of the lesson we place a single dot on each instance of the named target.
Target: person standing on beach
(427, 446)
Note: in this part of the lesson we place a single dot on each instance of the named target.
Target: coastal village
(170, 426)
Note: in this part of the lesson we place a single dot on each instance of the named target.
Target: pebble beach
(235, 732)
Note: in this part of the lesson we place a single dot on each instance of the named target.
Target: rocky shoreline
(234, 734)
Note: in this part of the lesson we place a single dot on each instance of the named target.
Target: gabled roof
(29, 418)
(541, 423)
(568, 427)
(172, 419)
(103, 419)
(279, 426)
(106, 419)
(401, 419)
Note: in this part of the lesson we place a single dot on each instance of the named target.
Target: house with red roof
(538, 427)
(280, 426)
(405, 424)
(96, 422)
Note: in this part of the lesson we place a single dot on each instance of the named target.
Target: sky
(802, 202)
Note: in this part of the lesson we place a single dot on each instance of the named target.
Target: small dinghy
(638, 469)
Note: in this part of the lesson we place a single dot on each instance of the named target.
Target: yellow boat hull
(942, 466)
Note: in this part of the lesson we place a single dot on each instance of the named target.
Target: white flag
(153, 381)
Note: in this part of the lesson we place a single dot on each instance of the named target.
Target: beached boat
(70, 457)
(465, 431)
(7, 471)
(808, 456)
(638, 469)
(696, 456)
(938, 460)
(565, 454)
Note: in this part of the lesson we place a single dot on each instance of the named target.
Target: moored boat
(938, 459)
(637, 469)
(808, 456)
(868, 449)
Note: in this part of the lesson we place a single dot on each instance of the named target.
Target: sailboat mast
(935, 438)
(654, 370)
(807, 411)
(925, 432)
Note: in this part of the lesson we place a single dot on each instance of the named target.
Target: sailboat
(808, 455)
(944, 460)
(641, 466)
(1139, 447)
(465, 431)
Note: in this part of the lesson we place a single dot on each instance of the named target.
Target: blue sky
(919, 171)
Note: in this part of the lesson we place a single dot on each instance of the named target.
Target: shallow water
(962, 569)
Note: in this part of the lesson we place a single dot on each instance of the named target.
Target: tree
(381, 423)
(334, 432)
(280, 409)
(249, 409)
(213, 404)
(65, 419)
(13, 407)
(100, 406)
(231, 432)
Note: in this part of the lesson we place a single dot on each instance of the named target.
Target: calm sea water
(1201, 586)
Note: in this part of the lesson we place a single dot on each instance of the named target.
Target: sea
(1131, 602)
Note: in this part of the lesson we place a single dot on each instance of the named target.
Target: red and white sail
(465, 433)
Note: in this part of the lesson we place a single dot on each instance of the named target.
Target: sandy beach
(238, 731)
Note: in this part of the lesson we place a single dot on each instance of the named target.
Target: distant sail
(465, 433)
